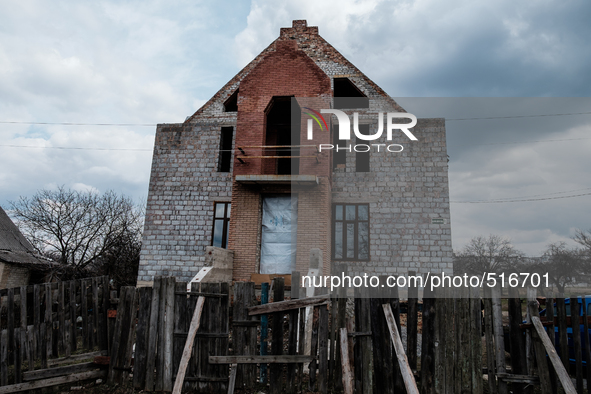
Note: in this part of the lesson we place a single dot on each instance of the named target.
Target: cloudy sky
(139, 63)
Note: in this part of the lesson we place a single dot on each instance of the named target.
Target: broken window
(225, 156)
(347, 95)
(283, 115)
(231, 104)
(350, 232)
(221, 224)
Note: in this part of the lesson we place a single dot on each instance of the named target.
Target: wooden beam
(287, 305)
(567, 383)
(508, 377)
(58, 371)
(76, 357)
(347, 373)
(180, 376)
(14, 388)
(259, 359)
(407, 375)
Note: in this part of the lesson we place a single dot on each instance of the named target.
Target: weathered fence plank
(264, 331)
(153, 333)
(499, 337)
(412, 324)
(562, 334)
(125, 328)
(323, 349)
(195, 322)
(275, 371)
(407, 374)
(347, 374)
(244, 332)
(141, 344)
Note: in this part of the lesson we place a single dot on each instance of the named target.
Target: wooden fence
(43, 327)
(542, 351)
(243, 342)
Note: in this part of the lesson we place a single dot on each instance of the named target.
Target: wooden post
(4, 358)
(575, 308)
(347, 374)
(195, 322)
(168, 334)
(314, 349)
(323, 350)
(363, 347)
(244, 332)
(499, 337)
(105, 318)
(412, 324)
(49, 319)
(264, 331)
(384, 368)
(587, 345)
(552, 336)
(476, 341)
(84, 312)
(275, 370)
(518, 359)
(73, 316)
(95, 312)
(428, 349)
(407, 374)
(562, 334)
(292, 338)
(141, 344)
(153, 333)
(124, 330)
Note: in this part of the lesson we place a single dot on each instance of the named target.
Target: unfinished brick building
(242, 174)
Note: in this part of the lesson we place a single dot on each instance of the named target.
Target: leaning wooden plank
(288, 305)
(543, 368)
(407, 375)
(347, 373)
(567, 383)
(76, 357)
(180, 376)
(58, 371)
(259, 359)
(232, 382)
(14, 388)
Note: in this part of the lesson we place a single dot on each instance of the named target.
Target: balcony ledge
(302, 180)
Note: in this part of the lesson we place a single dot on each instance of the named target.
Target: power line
(75, 148)
(155, 124)
(80, 124)
(518, 116)
(522, 200)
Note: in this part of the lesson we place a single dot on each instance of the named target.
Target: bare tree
(583, 238)
(563, 265)
(494, 254)
(77, 229)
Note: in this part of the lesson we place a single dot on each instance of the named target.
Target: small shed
(17, 256)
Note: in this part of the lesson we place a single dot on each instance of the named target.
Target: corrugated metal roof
(10, 236)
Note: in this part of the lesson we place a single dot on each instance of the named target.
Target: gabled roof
(14, 247)
(10, 236)
(331, 61)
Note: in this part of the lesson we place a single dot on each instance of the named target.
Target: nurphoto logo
(345, 130)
